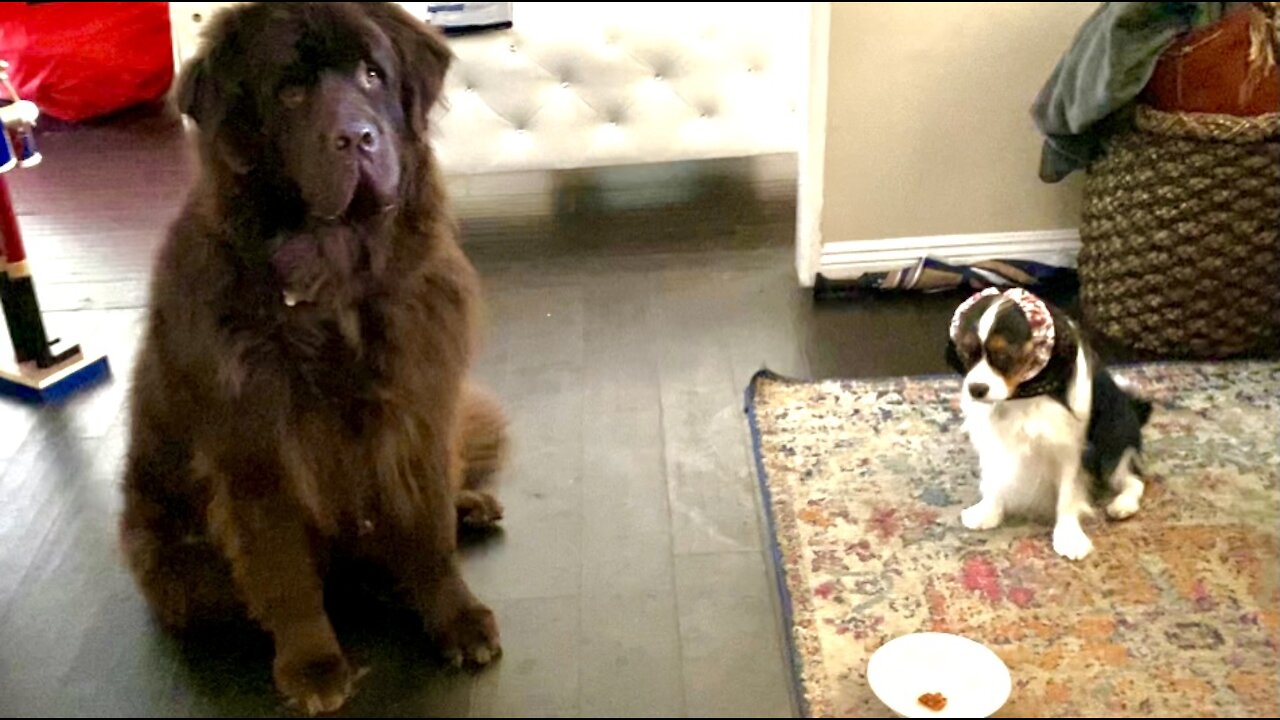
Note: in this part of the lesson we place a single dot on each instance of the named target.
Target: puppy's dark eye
(1001, 359)
(293, 95)
(372, 76)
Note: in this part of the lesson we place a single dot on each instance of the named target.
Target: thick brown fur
(267, 436)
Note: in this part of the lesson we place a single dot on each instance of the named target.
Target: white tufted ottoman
(577, 85)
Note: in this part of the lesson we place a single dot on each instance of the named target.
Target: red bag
(83, 60)
(1226, 68)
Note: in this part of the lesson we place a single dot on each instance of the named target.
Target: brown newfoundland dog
(302, 390)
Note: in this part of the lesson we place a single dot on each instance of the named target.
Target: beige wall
(928, 129)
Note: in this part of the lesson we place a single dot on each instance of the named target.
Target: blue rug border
(799, 699)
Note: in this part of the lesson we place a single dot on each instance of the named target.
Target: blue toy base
(31, 384)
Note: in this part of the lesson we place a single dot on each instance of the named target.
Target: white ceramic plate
(974, 680)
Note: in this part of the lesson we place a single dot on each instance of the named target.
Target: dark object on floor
(930, 275)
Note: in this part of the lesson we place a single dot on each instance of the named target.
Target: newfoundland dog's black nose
(359, 136)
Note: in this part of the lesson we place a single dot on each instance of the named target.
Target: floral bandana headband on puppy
(1038, 317)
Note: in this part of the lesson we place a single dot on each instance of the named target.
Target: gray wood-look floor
(628, 308)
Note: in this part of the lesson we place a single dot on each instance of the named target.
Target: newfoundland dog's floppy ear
(190, 91)
(424, 60)
(207, 100)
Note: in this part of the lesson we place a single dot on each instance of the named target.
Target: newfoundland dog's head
(315, 113)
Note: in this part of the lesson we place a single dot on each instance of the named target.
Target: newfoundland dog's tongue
(308, 262)
(295, 257)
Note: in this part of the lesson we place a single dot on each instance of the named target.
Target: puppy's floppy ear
(953, 358)
(1066, 340)
(424, 60)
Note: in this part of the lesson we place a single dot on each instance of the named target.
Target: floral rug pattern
(1176, 613)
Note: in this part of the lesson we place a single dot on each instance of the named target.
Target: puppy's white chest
(1021, 426)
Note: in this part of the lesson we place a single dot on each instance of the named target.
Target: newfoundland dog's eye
(293, 95)
(372, 76)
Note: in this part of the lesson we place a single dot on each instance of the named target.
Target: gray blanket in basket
(1108, 64)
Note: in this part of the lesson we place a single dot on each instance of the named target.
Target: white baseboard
(848, 259)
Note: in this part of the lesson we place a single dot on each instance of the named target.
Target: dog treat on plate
(933, 701)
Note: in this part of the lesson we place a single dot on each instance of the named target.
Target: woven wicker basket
(1180, 250)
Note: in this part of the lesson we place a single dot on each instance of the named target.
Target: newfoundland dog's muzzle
(337, 149)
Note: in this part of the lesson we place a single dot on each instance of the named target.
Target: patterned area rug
(1176, 613)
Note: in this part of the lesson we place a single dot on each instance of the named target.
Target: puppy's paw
(1070, 542)
(1128, 500)
(982, 516)
(1123, 506)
